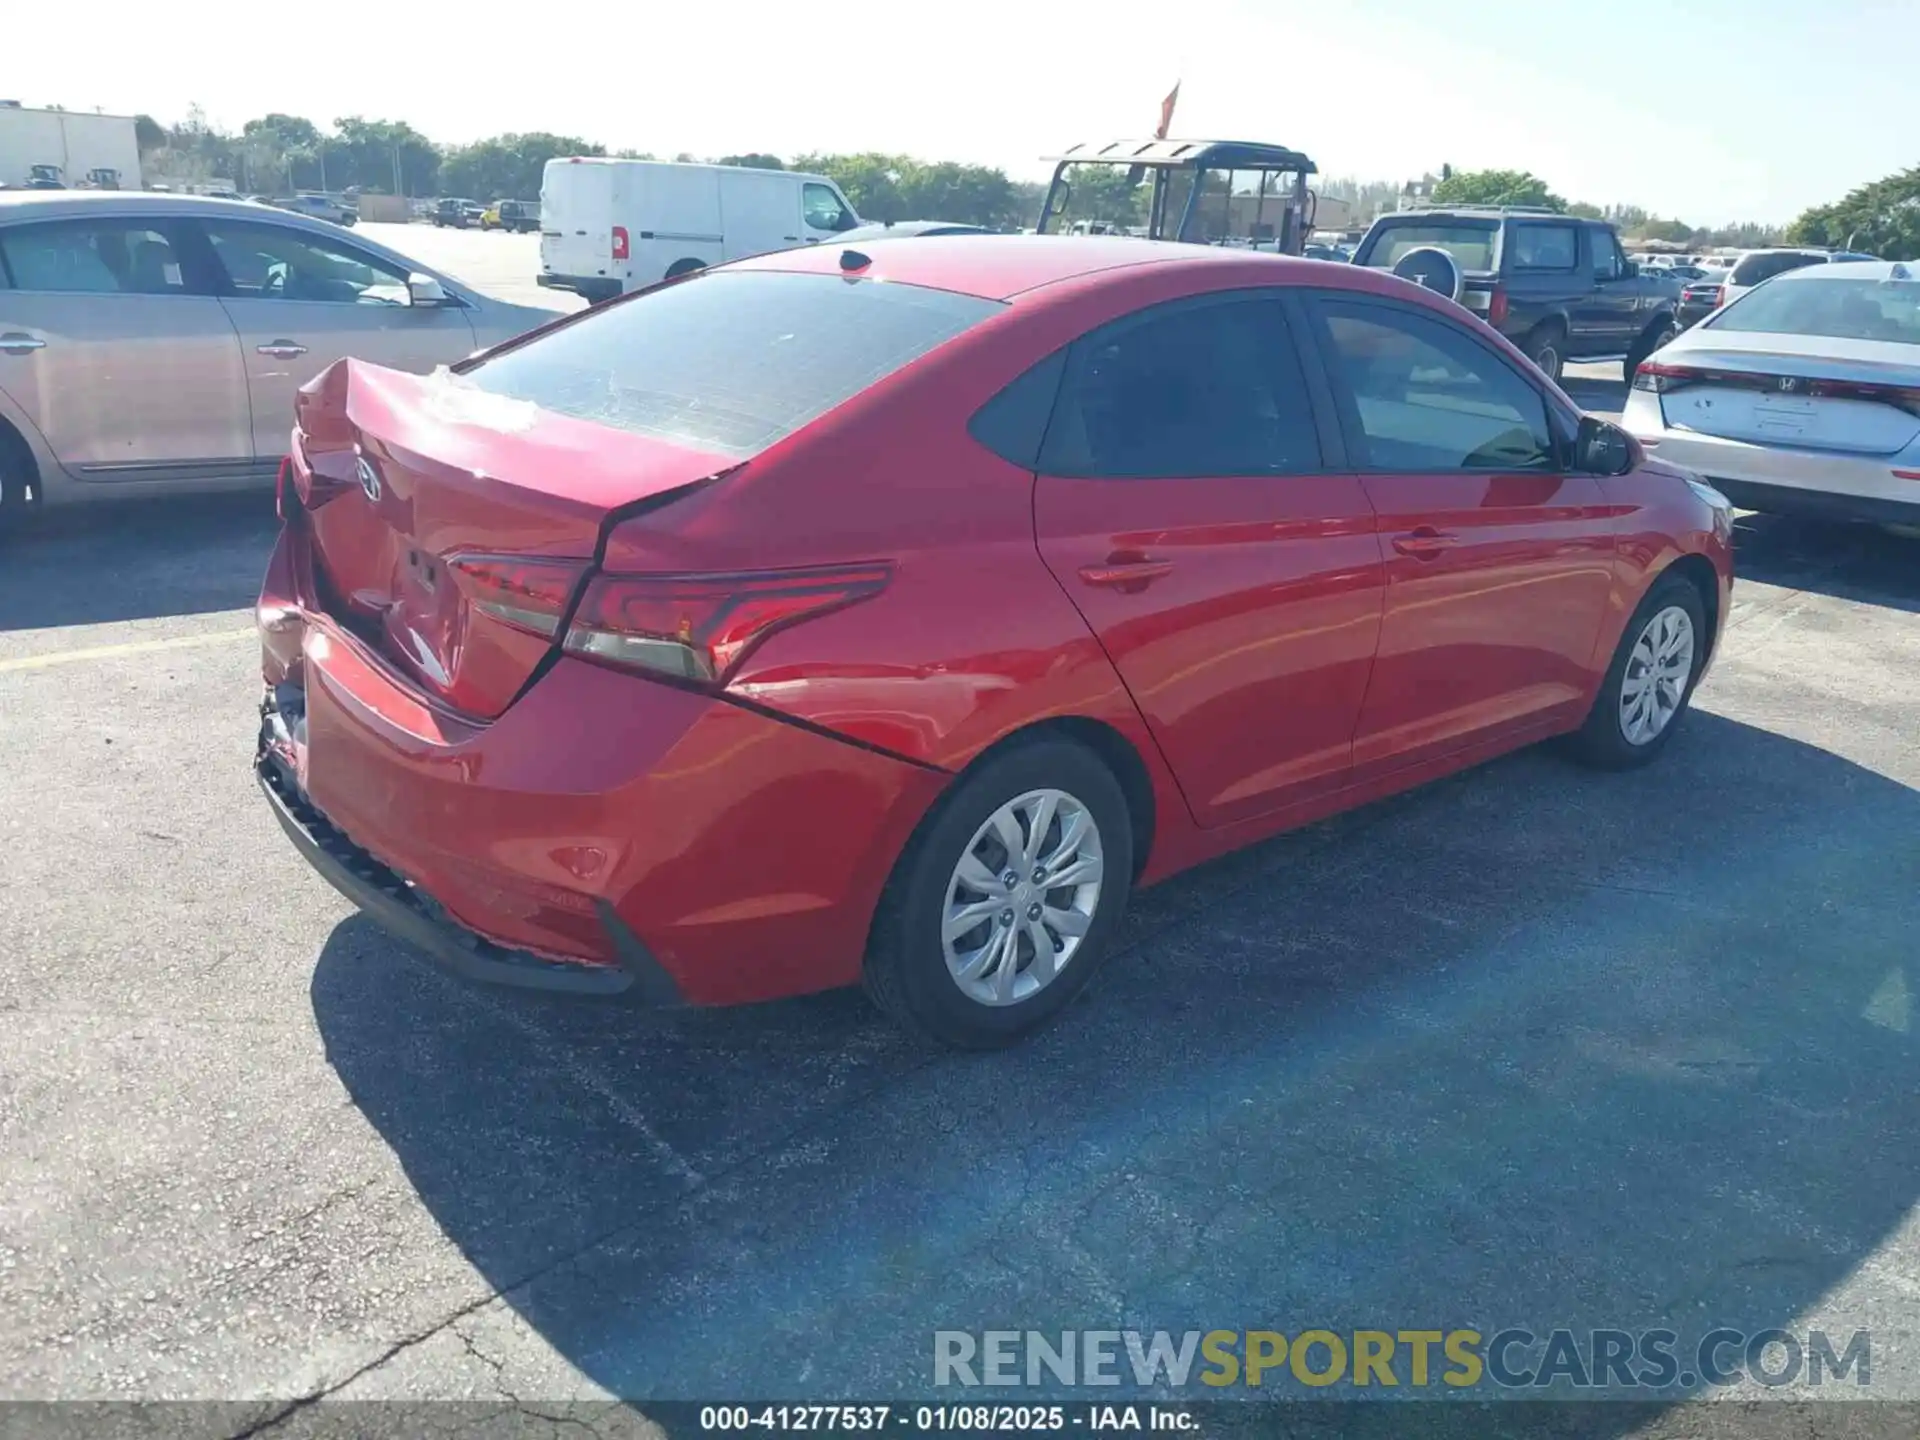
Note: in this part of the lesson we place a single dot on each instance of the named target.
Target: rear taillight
(1719, 296)
(1497, 306)
(699, 627)
(620, 243)
(1664, 379)
(528, 594)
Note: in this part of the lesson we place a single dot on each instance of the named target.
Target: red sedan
(889, 616)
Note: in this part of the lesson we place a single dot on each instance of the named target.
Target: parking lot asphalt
(1529, 1047)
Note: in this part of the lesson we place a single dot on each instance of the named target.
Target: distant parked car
(154, 342)
(516, 216)
(1800, 395)
(321, 207)
(1756, 267)
(1558, 286)
(1700, 298)
(458, 214)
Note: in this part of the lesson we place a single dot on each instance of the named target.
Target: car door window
(1426, 396)
(1210, 389)
(824, 209)
(1607, 264)
(270, 262)
(1545, 247)
(92, 257)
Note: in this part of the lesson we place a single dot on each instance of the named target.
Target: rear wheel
(1546, 347)
(684, 267)
(1004, 903)
(1648, 685)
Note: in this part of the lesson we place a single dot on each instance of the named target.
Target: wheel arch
(1698, 572)
(17, 451)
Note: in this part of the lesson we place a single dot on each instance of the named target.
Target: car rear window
(1836, 309)
(730, 362)
(1755, 268)
(1470, 245)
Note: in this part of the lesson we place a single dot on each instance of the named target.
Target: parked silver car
(154, 342)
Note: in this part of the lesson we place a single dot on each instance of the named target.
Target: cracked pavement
(1531, 1046)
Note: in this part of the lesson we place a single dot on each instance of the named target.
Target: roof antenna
(854, 260)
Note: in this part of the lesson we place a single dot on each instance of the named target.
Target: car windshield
(729, 362)
(1840, 309)
(1470, 245)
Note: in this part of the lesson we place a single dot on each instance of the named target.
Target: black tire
(19, 488)
(1660, 333)
(906, 970)
(1546, 347)
(1603, 741)
(684, 267)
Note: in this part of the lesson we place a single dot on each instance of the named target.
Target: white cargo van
(610, 226)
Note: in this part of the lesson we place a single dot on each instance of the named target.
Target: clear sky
(1708, 110)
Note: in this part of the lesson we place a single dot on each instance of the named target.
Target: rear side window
(1428, 397)
(1186, 391)
(92, 257)
(730, 362)
(1544, 247)
(1835, 309)
(1755, 268)
(1471, 245)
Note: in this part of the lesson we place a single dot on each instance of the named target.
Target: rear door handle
(15, 342)
(1125, 570)
(281, 349)
(1425, 543)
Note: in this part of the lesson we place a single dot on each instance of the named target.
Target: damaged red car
(890, 616)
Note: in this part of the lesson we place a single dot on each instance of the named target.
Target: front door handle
(281, 349)
(15, 342)
(1425, 543)
(1126, 570)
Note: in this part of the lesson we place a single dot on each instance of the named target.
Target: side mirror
(425, 292)
(1601, 448)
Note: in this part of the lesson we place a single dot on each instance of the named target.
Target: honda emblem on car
(369, 478)
(1788, 384)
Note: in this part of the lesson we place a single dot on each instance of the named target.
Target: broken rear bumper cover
(409, 914)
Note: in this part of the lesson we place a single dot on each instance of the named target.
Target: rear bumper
(606, 834)
(1783, 477)
(595, 288)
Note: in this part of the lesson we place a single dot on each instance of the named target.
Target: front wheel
(1647, 687)
(1005, 901)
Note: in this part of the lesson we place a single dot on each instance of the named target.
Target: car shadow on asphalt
(91, 564)
(1851, 562)
(1529, 1047)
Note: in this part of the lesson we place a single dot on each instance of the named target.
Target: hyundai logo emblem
(369, 478)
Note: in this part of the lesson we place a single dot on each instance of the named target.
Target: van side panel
(762, 211)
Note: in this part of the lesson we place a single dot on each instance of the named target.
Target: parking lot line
(132, 647)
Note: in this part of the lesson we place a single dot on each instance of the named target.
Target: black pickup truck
(1556, 285)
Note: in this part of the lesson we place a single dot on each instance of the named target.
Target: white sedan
(1802, 395)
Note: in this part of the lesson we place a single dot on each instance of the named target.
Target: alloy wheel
(1659, 668)
(1022, 897)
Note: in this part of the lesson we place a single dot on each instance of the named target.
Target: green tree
(1585, 211)
(1676, 231)
(753, 160)
(1495, 187)
(1882, 217)
(385, 156)
(508, 167)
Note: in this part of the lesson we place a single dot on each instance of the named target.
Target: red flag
(1166, 111)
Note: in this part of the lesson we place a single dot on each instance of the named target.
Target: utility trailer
(1207, 192)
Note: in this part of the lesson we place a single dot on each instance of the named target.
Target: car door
(824, 212)
(301, 301)
(1498, 557)
(1618, 300)
(1231, 572)
(759, 211)
(113, 344)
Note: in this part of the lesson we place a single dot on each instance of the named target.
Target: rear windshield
(730, 362)
(1470, 245)
(1755, 268)
(1838, 309)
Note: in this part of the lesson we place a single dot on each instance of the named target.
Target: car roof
(1204, 154)
(1854, 270)
(63, 204)
(880, 230)
(1001, 267)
